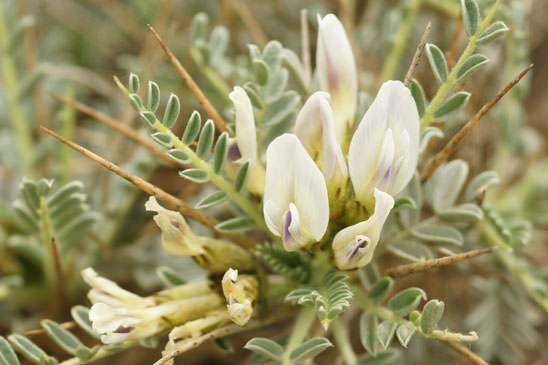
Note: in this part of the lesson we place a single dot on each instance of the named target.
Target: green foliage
(293, 265)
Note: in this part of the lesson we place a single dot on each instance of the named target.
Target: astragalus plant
(320, 191)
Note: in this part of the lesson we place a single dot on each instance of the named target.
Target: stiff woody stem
(249, 208)
(340, 334)
(386, 314)
(417, 56)
(465, 352)
(451, 80)
(304, 321)
(17, 118)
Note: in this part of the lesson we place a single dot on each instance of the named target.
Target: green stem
(451, 80)
(104, 351)
(513, 264)
(17, 117)
(47, 236)
(68, 132)
(304, 321)
(342, 340)
(394, 58)
(386, 314)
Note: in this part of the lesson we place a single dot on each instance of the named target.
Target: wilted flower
(336, 71)
(384, 150)
(315, 129)
(215, 255)
(240, 294)
(244, 146)
(119, 315)
(354, 245)
(296, 205)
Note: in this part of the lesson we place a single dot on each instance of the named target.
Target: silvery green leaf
(281, 108)
(26, 216)
(404, 202)
(261, 71)
(368, 332)
(272, 54)
(265, 347)
(480, 184)
(276, 85)
(295, 68)
(136, 101)
(198, 28)
(467, 212)
(213, 199)
(133, 84)
(73, 232)
(29, 350)
(63, 193)
(418, 95)
(431, 315)
(445, 185)
(43, 187)
(387, 357)
(178, 156)
(22, 24)
(192, 128)
(385, 333)
(30, 193)
(241, 176)
(153, 96)
(470, 65)
(254, 52)
(456, 101)
(172, 110)
(219, 155)
(295, 295)
(437, 62)
(381, 289)
(80, 314)
(253, 96)
(149, 117)
(217, 44)
(169, 277)
(404, 334)
(470, 16)
(410, 250)
(195, 175)
(238, 224)
(163, 139)
(206, 139)
(413, 190)
(492, 32)
(66, 340)
(203, 56)
(438, 234)
(429, 133)
(7, 355)
(310, 349)
(406, 300)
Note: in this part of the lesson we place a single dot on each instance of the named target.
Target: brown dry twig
(417, 56)
(450, 147)
(189, 81)
(250, 23)
(465, 352)
(65, 325)
(402, 270)
(153, 190)
(119, 127)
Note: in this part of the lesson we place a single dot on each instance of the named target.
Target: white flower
(336, 69)
(244, 146)
(315, 128)
(240, 294)
(295, 206)
(384, 150)
(354, 245)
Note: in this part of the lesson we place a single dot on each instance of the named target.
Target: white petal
(382, 177)
(336, 69)
(109, 288)
(245, 125)
(315, 129)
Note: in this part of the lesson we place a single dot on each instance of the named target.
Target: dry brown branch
(194, 88)
(402, 270)
(250, 23)
(65, 325)
(450, 147)
(119, 127)
(222, 332)
(155, 191)
(461, 349)
(417, 56)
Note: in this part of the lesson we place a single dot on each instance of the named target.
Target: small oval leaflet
(368, 332)
(406, 301)
(310, 349)
(437, 62)
(265, 347)
(195, 175)
(431, 315)
(172, 110)
(455, 102)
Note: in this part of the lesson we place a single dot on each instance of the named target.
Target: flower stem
(304, 321)
(451, 80)
(343, 342)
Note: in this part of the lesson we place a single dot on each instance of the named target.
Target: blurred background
(71, 49)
